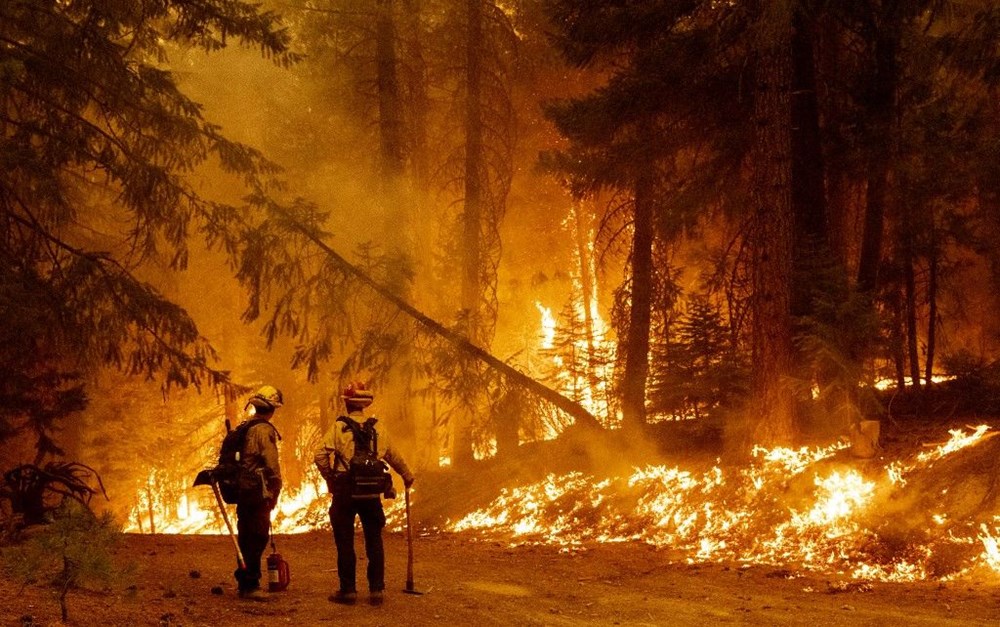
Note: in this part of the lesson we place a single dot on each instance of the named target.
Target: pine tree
(698, 371)
(644, 137)
(97, 135)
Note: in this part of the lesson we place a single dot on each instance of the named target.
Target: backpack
(367, 475)
(233, 479)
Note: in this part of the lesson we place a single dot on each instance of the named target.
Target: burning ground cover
(811, 508)
(924, 511)
(795, 536)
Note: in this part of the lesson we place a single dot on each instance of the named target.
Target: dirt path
(472, 582)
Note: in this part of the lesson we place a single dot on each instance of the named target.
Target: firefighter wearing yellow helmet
(261, 472)
(352, 459)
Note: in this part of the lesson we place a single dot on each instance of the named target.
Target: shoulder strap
(370, 428)
(249, 424)
(349, 425)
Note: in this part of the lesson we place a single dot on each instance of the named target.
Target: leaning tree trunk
(458, 340)
(772, 393)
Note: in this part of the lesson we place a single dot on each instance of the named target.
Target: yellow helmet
(267, 397)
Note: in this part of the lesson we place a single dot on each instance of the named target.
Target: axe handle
(229, 526)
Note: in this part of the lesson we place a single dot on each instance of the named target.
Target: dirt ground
(471, 582)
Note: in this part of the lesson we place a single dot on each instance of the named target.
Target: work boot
(375, 598)
(344, 597)
(253, 595)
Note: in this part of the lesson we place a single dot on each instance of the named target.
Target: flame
(578, 352)
(886, 383)
(173, 507)
(959, 440)
(766, 513)
(788, 506)
(548, 326)
(299, 509)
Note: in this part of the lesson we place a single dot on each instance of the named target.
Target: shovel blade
(409, 589)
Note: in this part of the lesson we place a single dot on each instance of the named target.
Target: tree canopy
(97, 145)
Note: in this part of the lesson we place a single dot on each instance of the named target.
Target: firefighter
(334, 459)
(260, 484)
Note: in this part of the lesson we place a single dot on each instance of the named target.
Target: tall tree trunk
(150, 509)
(472, 216)
(637, 337)
(391, 157)
(584, 252)
(989, 208)
(419, 103)
(908, 260)
(910, 309)
(830, 48)
(807, 186)
(897, 339)
(414, 81)
(391, 153)
(808, 194)
(773, 244)
(881, 109)
(932, 309)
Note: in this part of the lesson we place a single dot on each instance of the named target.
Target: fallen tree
(516, 377)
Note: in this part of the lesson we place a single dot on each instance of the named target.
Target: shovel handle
(229, 526)
(409, 542)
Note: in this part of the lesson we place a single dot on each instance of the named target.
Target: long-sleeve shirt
(338, 448)
(260, 456)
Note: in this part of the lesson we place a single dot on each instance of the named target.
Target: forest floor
(470, 582)
(187, 580)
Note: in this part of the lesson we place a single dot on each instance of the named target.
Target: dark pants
(253, 528)
(342, 512)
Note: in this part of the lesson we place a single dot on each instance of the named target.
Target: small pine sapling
(76, 550)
